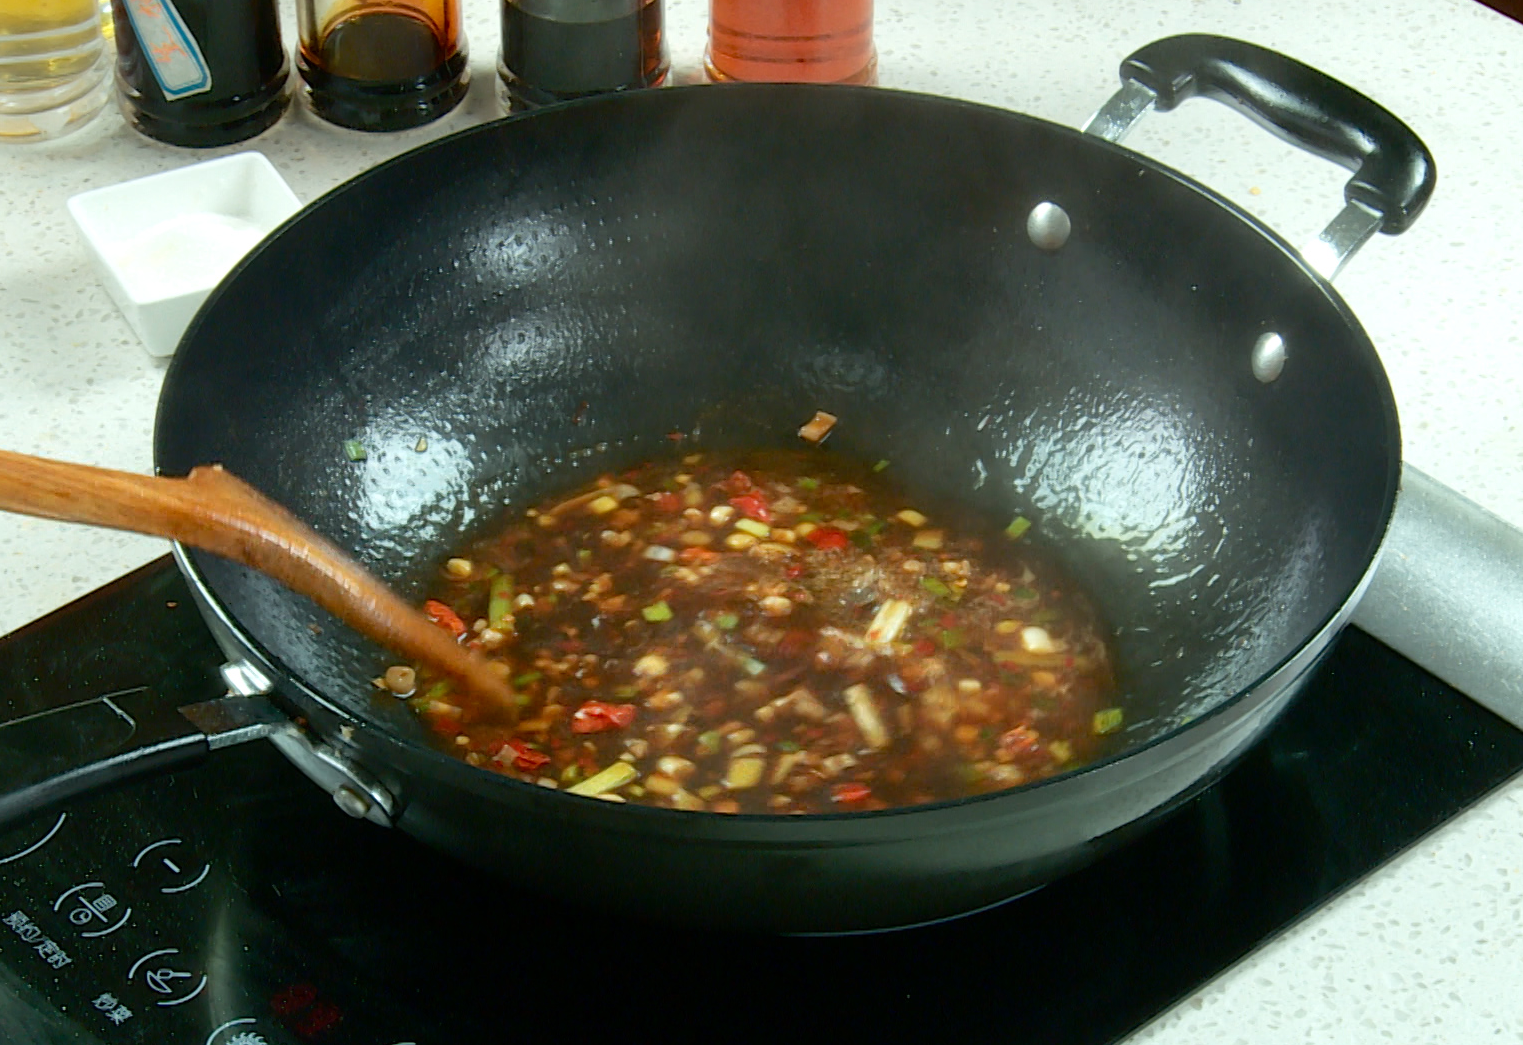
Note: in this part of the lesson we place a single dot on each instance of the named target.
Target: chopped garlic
(818, 426)
(776, 606)
(651, 665)
(888, 622)
(859, 701)
(1037, 640)
(930, 540)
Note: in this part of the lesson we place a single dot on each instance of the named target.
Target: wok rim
(459, 773)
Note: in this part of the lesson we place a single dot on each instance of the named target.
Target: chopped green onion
(789, 746)
(657, 612)
(500, 603)
(861, 538)
(812, 517)
(1107, 720)
(708, 743)
(726, 621)
(626, 692)
(952, 638)
(752, 666)
(936, 587)
(1018, 526)
(807, 483)
(881, 465)
(1045, 616)
(528, 677)
(611, 779)
(584, 555)
(1026, 595)
(522, 699)
(354, 450)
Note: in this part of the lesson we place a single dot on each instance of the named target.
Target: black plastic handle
(1394, 173)
(59, 754)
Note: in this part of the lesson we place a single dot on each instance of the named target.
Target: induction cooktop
(234, 904)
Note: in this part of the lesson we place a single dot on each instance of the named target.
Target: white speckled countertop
(1428, 949)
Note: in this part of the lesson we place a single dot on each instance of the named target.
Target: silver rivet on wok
(352, 802)
(1048, 226)
(1268, 357)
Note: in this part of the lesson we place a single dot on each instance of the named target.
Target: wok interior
(547, 298)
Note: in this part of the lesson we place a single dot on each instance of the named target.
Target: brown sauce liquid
(718, 625)
(386, 69)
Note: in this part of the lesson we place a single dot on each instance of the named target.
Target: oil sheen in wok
(769, 632)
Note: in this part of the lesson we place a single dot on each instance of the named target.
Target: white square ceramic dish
(163, 242)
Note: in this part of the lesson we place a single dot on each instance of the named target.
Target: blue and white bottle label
(169, 48)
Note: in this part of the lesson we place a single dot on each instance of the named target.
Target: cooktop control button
(170, 867)
(45, 835)
(168, 980)
(92, 909)
(242, 1031)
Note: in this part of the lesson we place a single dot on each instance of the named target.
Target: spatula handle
(215, 511)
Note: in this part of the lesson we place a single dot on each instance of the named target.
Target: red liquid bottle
(792, 41)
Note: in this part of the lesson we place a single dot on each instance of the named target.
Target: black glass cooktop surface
(234, 904)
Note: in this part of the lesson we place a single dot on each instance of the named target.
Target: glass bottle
(557, 50)
(200, 72)
(54, 68)
(382, 65)
(791, 41)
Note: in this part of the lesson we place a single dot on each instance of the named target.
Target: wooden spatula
(214, 510)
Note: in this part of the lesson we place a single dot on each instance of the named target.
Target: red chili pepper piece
(923, 647)
(793, 571)
(828, 539)
(444, 719)
(1022, 740)
(595, 716)
(752, 506)
(852, 792)
(525, 757)
(667, 502)
(445, 617)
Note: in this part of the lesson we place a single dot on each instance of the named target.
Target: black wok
(549, 297)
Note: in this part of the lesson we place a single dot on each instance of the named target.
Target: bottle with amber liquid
(791, 41)
(199, 72)
(382, 65)
(558, 50)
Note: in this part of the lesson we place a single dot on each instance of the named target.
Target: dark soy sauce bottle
(557, 50)
(382, 65)
(199, 72)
